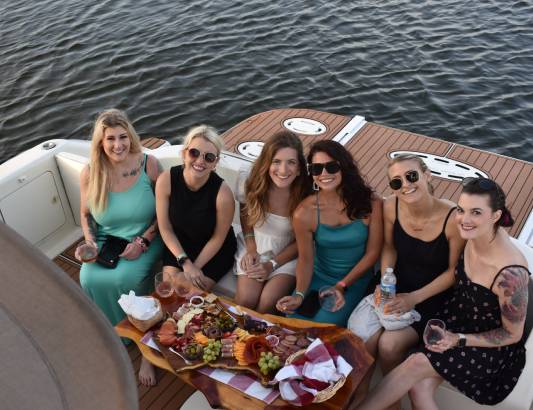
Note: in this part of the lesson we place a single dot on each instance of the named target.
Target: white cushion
(70, 166)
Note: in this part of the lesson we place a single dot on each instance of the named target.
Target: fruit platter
(203, 331)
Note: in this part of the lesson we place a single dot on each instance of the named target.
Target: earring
(315, 186)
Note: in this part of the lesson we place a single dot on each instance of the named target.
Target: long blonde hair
(99, 166)
(258, 182)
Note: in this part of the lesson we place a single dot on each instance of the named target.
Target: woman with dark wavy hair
(266, 256)
(339, 234)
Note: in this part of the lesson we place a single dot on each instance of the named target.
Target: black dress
(485, 374)
(193, 216)
(418, 263)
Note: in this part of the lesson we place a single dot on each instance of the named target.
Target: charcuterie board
(203, 331)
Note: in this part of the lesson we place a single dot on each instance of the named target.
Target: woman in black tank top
(195, 209)
(423, 247)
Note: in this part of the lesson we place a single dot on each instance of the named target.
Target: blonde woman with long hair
(117, 199)
(266, 259)
(195, 209)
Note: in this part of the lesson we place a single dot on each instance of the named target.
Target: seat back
(528, 254)
(70, 166)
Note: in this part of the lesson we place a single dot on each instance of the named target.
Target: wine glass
(327, 297)
(434, 331)
(87, 251)
(183, 288)
(163, 285)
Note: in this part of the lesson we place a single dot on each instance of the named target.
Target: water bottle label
(389, 290)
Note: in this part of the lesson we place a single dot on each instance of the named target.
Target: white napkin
(141, 308)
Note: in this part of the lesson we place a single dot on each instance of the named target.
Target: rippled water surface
(457, 70)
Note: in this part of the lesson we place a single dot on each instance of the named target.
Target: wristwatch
(274, 264)
(182, 259)
(462, 340)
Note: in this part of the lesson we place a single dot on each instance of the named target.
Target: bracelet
(139, 241)
(145, 241)
(298, 293)
(249, 235)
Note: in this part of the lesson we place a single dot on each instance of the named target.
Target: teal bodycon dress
(337, 250)
(128, 214)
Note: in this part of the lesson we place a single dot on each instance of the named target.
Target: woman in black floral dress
(482, 352)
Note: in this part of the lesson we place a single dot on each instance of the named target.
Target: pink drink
(164, 289)
(87, 252)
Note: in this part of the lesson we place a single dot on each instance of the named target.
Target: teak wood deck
(372, 144)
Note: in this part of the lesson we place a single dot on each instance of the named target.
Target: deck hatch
(250, 149)
(445, 167)
(305, 126)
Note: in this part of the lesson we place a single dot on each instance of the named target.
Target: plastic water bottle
(388, 287)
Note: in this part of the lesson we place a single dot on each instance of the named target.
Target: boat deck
(372, 144)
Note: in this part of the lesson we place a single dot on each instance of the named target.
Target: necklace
(134, 171)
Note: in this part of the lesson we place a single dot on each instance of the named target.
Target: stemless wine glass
(87, 251)
(327, 298)
(434, 331)
(163, 285)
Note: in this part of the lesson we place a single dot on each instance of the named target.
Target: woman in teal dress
(117, 199)
(339, 234)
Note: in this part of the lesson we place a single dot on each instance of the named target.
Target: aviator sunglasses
(411, 176)
(316, 168)
(209, 157)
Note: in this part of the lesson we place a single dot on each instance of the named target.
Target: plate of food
(204, 332)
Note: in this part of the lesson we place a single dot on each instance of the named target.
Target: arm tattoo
(93, 226)
(496, 336)
(513, 282)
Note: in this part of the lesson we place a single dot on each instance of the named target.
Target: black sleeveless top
(193, 216)
(418, 263)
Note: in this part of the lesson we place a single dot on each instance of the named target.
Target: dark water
(457, 70)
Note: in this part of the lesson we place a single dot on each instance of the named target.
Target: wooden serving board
(179, 365)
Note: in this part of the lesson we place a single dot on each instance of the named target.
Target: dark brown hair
(355, 192)
(488, 187)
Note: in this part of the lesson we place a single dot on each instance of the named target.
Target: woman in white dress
(268, 195)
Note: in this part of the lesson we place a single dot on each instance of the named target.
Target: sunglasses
(411, 176)
(484, 183)
(316, 168)
(209, 157)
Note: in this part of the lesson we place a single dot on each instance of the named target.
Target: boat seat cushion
(70, 166)
(227, 286)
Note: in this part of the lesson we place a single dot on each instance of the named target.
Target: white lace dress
(271, 237)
